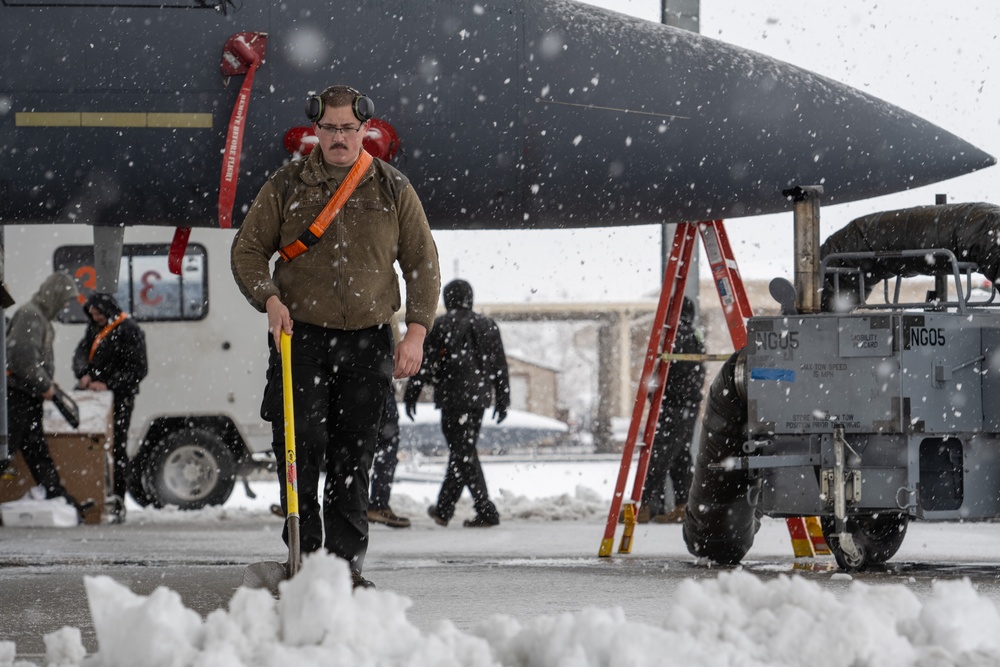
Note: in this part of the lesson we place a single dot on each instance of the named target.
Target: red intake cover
(381, 140)
(241, 50)
(300, 140)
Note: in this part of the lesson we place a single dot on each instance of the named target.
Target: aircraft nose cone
(707, 129)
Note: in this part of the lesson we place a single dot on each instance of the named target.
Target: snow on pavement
(733, 619)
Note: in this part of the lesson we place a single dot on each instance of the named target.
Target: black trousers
(671, 454)
(340, 380)
(460, 426)
(26, 434)
(386, 456)
(124, 404)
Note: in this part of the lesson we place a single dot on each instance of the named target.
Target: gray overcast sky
(936, 59)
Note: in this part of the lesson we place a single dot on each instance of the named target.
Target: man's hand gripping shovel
(269, 573)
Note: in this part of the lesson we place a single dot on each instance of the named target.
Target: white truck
(196, 427)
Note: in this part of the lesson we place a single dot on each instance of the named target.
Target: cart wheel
(877, 537)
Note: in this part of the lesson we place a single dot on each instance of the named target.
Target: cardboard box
(82, 456)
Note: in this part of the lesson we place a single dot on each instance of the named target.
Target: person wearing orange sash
(112, 356)
(340, 222)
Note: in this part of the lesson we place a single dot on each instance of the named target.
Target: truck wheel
(190, 468)
(136, 470)
(877, 537)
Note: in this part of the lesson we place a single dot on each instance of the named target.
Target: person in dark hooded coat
(30, 372)
(465, 361)
(112, 355)
(671, 452)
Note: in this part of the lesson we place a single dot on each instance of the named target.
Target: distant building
(534, 386)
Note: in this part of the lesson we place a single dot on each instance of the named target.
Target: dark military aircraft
(504, 113)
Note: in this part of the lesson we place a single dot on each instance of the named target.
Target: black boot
(81, 507)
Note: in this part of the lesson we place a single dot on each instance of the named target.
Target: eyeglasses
(334, 129)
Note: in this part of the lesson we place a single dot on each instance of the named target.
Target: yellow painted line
(112, 119)
(49, 119)
(179, 120)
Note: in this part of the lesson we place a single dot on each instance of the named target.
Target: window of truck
(147, 290)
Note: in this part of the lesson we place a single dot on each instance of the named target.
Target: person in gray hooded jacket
(30, 369)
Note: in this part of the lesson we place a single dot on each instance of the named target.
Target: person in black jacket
(465, 361)
(671, 452)
(112, 355)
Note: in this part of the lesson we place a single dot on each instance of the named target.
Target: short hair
(339, 96)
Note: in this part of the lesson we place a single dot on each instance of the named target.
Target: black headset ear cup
(364, 108)
(314, 108)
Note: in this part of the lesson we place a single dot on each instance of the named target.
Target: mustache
(337, 144)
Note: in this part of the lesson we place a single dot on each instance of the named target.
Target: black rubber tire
(877, 537)
(136, 470)
(190, 468)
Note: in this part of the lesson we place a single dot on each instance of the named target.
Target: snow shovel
(269, 573)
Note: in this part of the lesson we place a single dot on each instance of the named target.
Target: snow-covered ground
(734, 618)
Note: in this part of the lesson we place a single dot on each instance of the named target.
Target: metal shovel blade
(267, 574)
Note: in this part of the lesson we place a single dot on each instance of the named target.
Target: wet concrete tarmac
(522, 569)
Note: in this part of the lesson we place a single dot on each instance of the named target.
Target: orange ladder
(806, 533)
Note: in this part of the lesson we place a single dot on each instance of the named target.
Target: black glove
(411, 409)
(500, 413)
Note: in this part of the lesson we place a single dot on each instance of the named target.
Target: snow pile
(584, 503)
(736, 619)
(318, 621)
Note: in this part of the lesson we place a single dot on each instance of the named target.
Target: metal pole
(807, 259)
(941, 279)
(684, 14)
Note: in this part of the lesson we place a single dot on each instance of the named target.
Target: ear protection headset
(361, 105)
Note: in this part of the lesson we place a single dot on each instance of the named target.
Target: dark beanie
(458, 294)
(105, 303)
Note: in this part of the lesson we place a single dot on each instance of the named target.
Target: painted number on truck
(926, 337)
(774, 340)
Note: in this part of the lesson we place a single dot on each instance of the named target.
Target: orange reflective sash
(104, 332)
(311, 236)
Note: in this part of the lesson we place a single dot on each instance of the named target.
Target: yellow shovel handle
(291, 474)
